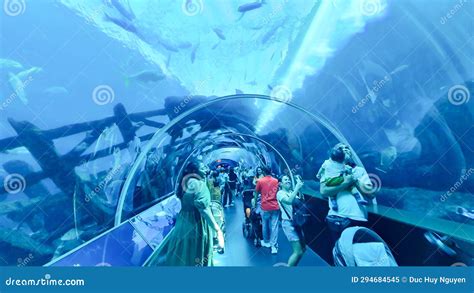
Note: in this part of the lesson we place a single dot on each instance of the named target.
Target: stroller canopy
(359, 246)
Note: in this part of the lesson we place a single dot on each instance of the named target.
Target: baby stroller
(252, 225)
(362, 247)
(218, 213)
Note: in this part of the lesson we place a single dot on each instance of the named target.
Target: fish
(167, 45)
(126, 12)
(56, 91)
(250, 6)
(270, 33)
(148, 76)
(219, 33)
(8, 64)
(185, 45)
(123, 23)
(215, 46)
(238, 92)
(253, 82)
(18, 151)
(193, 53)
(29, 72)
(271, 58)
(18, 87)
(269, 87)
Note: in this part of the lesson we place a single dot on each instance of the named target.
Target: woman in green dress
(190, 243)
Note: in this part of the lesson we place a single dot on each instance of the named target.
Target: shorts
(291, 232)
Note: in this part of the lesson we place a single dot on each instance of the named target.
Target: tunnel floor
(240, 251)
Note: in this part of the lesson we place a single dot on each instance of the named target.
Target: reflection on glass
(155, 223)
(121, 247)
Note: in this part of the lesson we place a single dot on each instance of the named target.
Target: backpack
(301, 212)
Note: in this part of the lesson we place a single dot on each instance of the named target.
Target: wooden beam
(68, 130)
(44, 151)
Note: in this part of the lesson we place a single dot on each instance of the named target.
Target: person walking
(267, 187)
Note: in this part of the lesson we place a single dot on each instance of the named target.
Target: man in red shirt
(267, 187)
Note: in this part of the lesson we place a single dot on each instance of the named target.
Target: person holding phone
(293, 233)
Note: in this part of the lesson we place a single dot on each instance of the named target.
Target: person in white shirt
(349, 212)
(293, 233)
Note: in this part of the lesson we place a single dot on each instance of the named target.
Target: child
(334, 170)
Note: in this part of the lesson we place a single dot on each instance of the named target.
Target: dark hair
(337, 155)
(266, 170)
(190, 171)
(280, 178)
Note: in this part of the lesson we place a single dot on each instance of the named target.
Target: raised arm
(291, 197)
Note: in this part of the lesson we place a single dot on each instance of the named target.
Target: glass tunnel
(112, 106)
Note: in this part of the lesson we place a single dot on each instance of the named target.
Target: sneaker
(274, 250)
(264, 244)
